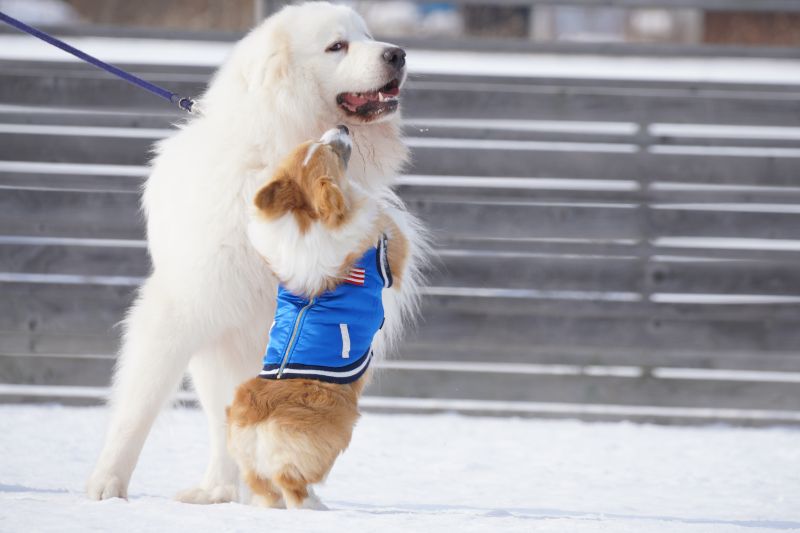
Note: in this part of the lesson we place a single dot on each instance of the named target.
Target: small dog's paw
(104, 485)
(262, 501)
(208, 495)
(313, 503)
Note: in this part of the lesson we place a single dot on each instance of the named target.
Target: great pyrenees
(210, 299)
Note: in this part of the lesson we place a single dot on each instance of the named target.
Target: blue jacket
(329, 337)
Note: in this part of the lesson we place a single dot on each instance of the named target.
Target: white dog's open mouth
(371, 104)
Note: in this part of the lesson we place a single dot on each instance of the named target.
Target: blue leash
(187, 104)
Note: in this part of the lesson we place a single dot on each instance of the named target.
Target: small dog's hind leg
(297, 491)
(265, 493)
(313, 502)
(293, 487)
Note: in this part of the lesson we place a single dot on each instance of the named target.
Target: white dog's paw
(104, 485)
(208, 495)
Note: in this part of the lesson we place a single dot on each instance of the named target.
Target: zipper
(295, 331)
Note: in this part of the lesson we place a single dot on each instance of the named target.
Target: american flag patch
(355, 277)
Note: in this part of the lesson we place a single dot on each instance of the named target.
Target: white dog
(209, 301)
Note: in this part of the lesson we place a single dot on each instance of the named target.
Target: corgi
(334, 249)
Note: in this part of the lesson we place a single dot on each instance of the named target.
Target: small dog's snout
(339, 140)
(395, 56)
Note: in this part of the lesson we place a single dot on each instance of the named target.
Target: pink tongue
(356, 100)
(392, 92)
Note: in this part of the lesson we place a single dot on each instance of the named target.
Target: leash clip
(185, 104)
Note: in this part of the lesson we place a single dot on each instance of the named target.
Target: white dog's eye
(338, 46)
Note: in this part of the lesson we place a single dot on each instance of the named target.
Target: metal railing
(264, 8)
(538, 35)
(625, 243)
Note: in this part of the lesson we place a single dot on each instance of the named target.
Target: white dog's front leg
(215, 375)
(152, 360)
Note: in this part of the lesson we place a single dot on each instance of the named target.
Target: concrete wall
(230, 15)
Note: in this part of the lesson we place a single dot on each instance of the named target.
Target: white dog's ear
(267, 63)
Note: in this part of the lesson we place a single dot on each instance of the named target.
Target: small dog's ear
(279, 197)
(329, 202)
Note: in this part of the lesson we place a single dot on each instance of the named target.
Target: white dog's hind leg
(155, 350)
(216, 372)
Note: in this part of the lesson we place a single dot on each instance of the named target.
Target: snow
(560, 126)
(424, 62)
(44, 12)
(524, 146)
(721, 70)
(556, 184)
(432, 473)
(119, 50)
(724, 131)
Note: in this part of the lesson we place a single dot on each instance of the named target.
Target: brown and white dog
(313, 225)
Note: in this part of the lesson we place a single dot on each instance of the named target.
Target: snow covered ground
(423, 474)
(423, 62)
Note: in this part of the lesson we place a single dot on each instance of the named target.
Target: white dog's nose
(395, 56)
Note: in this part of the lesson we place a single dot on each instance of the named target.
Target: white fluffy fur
(304, 262)
(209, 301)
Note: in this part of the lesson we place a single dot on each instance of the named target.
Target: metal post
(258, 11)
(541, 23)
(264, 8)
